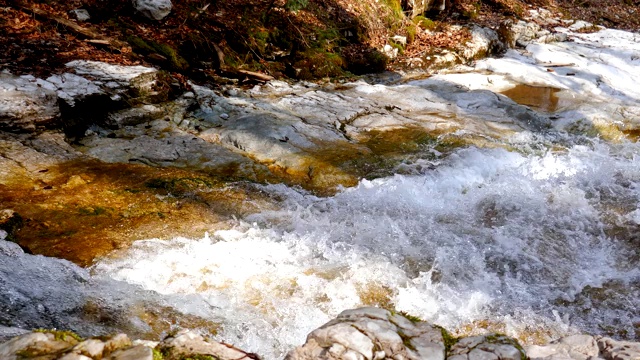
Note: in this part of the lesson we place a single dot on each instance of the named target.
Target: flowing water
(525, 241)
(488, 234)
(537, 241)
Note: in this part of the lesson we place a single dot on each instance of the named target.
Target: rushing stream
(488, 234)
(536, 241)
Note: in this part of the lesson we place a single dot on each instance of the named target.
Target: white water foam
(488, 234)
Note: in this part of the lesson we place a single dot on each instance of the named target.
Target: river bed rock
(364, 333)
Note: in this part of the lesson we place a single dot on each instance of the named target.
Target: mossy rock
(313, 64)
(173, 59)
(449, 340)
(361, 60)
(62, 335)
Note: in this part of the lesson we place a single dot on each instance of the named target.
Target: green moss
(406, 341)
(62, 335)
(157, 354)
(412, 318)
(328, 39)
(177, 61)
(504, 339)
(199, 357)
(411, 30)
(449, 340)
(139, 45)
(146, 47)
(315, 63)
(424, 23)
(259, 39)
(295, 5)
(365, 61)
(395, 16)
(398, 46)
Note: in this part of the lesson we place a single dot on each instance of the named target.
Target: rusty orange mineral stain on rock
(85, 209)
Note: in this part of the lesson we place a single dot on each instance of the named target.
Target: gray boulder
(186, 344)
(575, 347)
(153, 9)
(618, 350)
(372, 334)
(487, 347)
(24, 104)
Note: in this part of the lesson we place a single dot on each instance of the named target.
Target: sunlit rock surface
(364, 333)
(487, 347)
(372, 333)
(24, 105)
(572, 347)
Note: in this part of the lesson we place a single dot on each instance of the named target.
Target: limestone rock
(484, 42)
(73, 356)
(8, 248)
(116, 342)
(139, 352)
(70, 87)
(153, 9)
(186, 343)
(488, 347)
(372, 333)
(138, 84)
(390, 51)
(134, 116)
(80, 14)
(618, 350)
(580, 25)
(520, 33)
(24, 104)
(32, 345)
(90, 347)
(576, 347)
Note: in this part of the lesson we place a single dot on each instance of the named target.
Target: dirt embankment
(257, 39)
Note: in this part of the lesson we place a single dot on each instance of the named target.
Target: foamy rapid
(489, 234)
